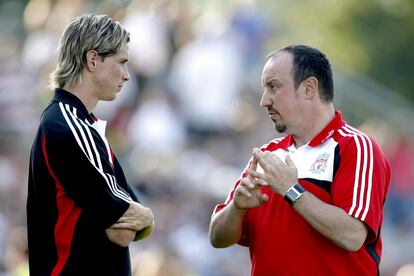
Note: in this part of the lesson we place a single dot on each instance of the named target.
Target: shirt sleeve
(244, 238)
(361, 182)
(82, 176)
(123, 182)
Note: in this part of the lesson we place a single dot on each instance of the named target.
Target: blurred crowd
(183, 127)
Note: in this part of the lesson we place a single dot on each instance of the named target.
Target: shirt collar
(329, 130)
(66, 97)
(325, 134)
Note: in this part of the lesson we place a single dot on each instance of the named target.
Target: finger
(253, 163)
(271, 159)
(289, 161)
(247, 182)
(121, 219)
(255, 174)
(259, 155)
(263, 198)
(242, 190)
(260, 182)
(124, 225)
(277, 161)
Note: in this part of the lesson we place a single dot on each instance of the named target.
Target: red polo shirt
(341, 166)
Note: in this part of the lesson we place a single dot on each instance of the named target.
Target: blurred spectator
(205, 77)
(254, 29)
(401, 198)
(155, 126)
(16, 252)
(149, 46)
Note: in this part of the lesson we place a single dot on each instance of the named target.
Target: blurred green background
(185, 124)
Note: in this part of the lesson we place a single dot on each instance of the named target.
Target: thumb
(253, 164)
(289, 161)
(263, 198)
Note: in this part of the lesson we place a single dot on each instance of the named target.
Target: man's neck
(318, 121)
(84, 95)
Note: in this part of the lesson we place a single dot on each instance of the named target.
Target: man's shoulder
(55, 119)
(354, 139)
(348, 133)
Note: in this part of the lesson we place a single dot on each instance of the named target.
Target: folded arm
(135, 224)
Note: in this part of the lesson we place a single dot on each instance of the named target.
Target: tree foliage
(372, 37)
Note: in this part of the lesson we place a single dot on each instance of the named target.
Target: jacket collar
(66, 97)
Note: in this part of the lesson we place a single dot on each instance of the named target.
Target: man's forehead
(123, 51)
(125, 48)
(282, 59)
(280, 63)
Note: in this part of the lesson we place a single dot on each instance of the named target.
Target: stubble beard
(280, 127)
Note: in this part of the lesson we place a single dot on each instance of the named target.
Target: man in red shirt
(309, 203)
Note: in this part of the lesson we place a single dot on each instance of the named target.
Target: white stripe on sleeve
(118, 193)
(363, 172)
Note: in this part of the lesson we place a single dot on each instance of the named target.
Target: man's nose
(266, 100)
(126, 76)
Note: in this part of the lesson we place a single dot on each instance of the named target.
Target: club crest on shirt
(320, 164)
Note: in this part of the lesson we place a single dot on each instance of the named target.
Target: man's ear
(91, 60)
(311, 85)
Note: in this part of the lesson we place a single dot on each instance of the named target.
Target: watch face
(292, 194)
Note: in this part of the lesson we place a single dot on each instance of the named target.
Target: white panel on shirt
(311, 162)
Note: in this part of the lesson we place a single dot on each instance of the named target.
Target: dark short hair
(310, 62)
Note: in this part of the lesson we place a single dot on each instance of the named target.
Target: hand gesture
(280, 176)
(248, 193)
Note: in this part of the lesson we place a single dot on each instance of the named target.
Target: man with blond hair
(81, 212)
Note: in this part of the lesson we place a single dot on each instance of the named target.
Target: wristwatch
(294, 193)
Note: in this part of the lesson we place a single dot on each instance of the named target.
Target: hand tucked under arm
(144, 233)
(121, 237)
(136, 218)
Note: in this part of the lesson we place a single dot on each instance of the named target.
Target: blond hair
(85, 33)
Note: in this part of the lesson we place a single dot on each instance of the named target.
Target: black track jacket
(76, 190)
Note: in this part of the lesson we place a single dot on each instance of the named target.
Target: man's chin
(111, 97)
(279, 128)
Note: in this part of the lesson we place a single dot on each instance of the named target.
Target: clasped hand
(277, 175)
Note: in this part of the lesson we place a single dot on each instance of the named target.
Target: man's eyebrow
(269, 81)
